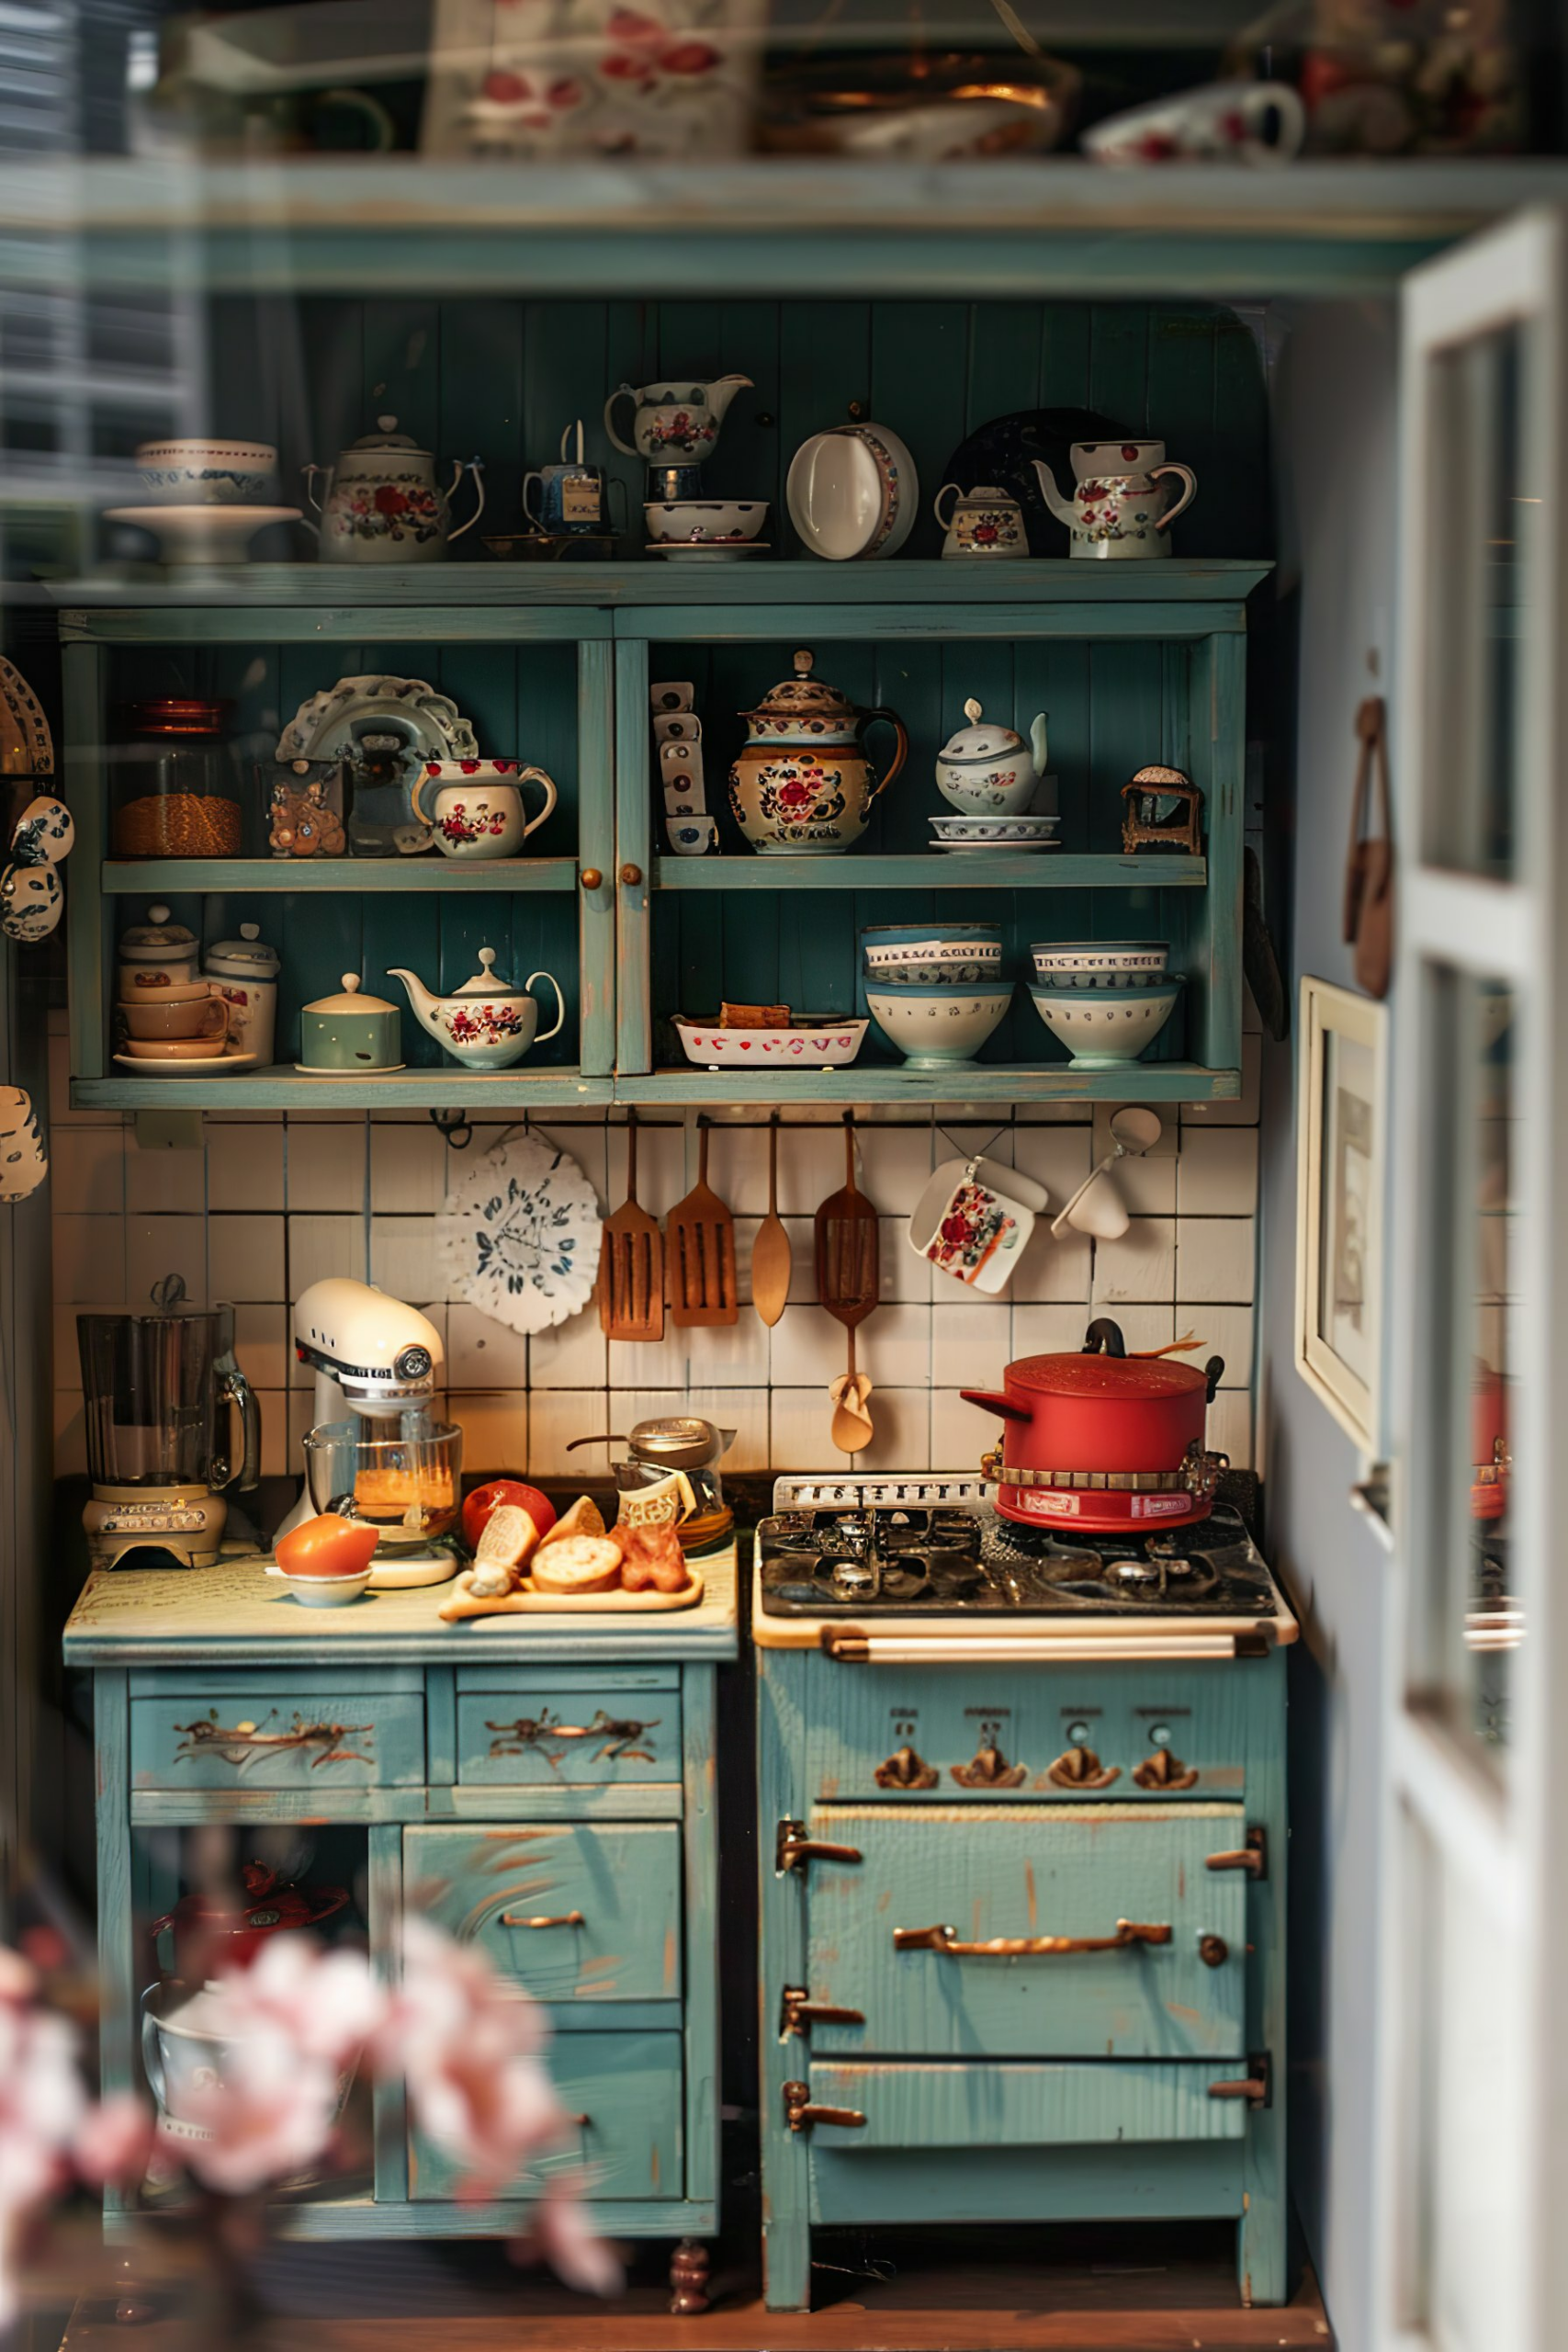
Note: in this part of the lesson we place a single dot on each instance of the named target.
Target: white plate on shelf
(852, 493)
(198, 1066)
(202, 534)
(708, 550)
(994, 849)
(318, 1070)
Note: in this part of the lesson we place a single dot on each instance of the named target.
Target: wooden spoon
(771, 1263)
(847, 1284)
(851, 1431)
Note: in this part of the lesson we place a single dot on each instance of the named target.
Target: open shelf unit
(652, 933)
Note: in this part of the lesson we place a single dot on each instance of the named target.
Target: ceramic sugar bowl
(803, 785)
(384, 505)
(351, 1032)
(989, 770)
(486, 1024)
(981, 524)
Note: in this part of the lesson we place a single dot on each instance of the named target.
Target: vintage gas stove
(1023, 1871)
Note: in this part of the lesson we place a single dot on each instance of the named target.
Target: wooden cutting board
(700, 1254)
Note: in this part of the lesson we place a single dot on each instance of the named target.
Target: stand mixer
(373, 1454)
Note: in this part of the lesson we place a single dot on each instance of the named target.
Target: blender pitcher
(151, 1386)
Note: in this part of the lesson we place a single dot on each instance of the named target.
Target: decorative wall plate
(519, 1236)
(384, 730)
(27, 747)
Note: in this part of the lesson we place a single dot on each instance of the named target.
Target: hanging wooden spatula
(771, 1265)
(631, 1264)
(847, 1251)
(700, 1253)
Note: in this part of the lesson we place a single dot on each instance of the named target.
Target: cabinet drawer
(574, 1911)
(284, 1740)
(537, 1737)
(977, 2105)
(1026, 1872)
(624, 2091)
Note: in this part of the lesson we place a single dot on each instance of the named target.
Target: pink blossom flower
(114, 2141)
(563, 2237)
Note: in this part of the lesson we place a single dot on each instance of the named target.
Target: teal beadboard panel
(1072, 1871)
(489, 1885)
(296, 1739)
(622, 2093)
(1113, 2102)
(536, 1737)
(1170, 2182)
(504, 379)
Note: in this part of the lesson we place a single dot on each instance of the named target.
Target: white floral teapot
(384, 505)
(989, 770)
(486, 1024)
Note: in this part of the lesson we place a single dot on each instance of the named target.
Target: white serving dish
(323, 1592)
(202, 534)
(209, 1065)
(1103, 1027)
(207, 473)
(994, 831)
(937, 1026)
(852, 493)
(698, 521)
(821, 1041)
(685, 551)
(1108, 964)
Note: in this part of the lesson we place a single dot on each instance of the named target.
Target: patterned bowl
(993, 830)
(816, 1041)
(1099, 963)
(931, 972)
(1103, 1027)
(894, 943)
(934, 1027)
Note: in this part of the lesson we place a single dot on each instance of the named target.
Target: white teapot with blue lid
(988, 770)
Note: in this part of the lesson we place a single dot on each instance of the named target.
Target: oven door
(1123, 1943)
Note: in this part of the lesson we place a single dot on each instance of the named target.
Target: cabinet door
(1033, 1875)
(576, 1912)
(622, 2093)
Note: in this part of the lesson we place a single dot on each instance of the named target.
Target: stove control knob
(991, 1770)
(1080, 1768)
(1164, 1770)
(905, 1769)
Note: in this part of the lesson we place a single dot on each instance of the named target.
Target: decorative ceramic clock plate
(519, 1236)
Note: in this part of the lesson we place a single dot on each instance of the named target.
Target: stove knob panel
(991, 1770)
(905, 1769)
(1164, 1770)
(1079, 1768)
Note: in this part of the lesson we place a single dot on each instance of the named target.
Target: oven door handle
(944, 1941)
(851, 1646)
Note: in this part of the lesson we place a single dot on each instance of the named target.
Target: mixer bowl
(404, 1483)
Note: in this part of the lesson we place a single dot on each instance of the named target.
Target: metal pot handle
(1214, 1372)
(1104, 1338)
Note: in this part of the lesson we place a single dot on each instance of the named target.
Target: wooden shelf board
(935, 870)
(282, 1087)
(157, 877)
(965, 1082)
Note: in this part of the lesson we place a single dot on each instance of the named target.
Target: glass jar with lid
(175, 782)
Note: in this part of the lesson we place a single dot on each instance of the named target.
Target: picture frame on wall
(1341, 1154)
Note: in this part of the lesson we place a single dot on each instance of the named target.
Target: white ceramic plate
(202, 534)
(989, 849)
(708, 550)
(321, 1069)
(852, 493)
(199, 1066)
(819, 1043)
(519, 1236)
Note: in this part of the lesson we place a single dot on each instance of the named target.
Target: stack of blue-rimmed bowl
(1105, 1000)
(935, 990)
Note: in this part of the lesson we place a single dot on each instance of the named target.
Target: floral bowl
(933, 1027)
(816, 1041)
(1099, 963)
(1101, 1027)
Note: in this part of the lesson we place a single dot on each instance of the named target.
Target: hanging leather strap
(1369, 862)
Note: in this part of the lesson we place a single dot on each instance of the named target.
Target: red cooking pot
(1109, 1443)
(209, 1934)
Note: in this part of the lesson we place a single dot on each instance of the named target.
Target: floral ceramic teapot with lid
(803, 785)
(384, 505)
(486, 1024)
(988, 770)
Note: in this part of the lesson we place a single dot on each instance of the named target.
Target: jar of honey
(175, 782)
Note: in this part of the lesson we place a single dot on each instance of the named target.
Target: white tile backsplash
(267, 1207)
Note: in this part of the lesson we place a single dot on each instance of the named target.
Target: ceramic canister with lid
(156, 957)
(244, 972)
(349, 1032)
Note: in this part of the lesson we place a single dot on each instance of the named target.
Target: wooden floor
(1097, 2298)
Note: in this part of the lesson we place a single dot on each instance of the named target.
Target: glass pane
(1474, 1623)
(1482, 512)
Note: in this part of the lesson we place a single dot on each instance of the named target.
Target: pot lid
(145, 942)
(804, 696)
(1112, 1374)
(353, 1000)
(387, 437)
(488, 981)
(682, 1442)
(977, 743)
(247, 957)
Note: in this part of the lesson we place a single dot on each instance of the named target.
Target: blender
(684, 1453)
(151, 1386)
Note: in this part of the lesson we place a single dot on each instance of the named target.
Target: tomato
(326, 1546)
(484, 1499)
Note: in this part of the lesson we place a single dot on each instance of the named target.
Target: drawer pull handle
(563, 1919)
(945, 1941)
(792, 1847)
(1252, 1858)
(800, 2114)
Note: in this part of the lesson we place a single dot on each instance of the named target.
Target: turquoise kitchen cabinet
(216, 1703)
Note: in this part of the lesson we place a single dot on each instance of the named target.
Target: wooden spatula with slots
(700, 1254)
(631, 1264)
(847, 1251)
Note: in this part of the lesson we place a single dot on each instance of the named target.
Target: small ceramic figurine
(803, 785)
(991, 771)
(981, 524)
(1117, 508)
(301, 820)
(384, 505)
(486, 1024)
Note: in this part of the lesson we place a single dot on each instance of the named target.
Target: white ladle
(1133, 1131)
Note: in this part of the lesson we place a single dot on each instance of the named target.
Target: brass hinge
(1256, 2085)
(800, 2115)
(792, 1847)
(800, 2013)
(1253, 1857)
